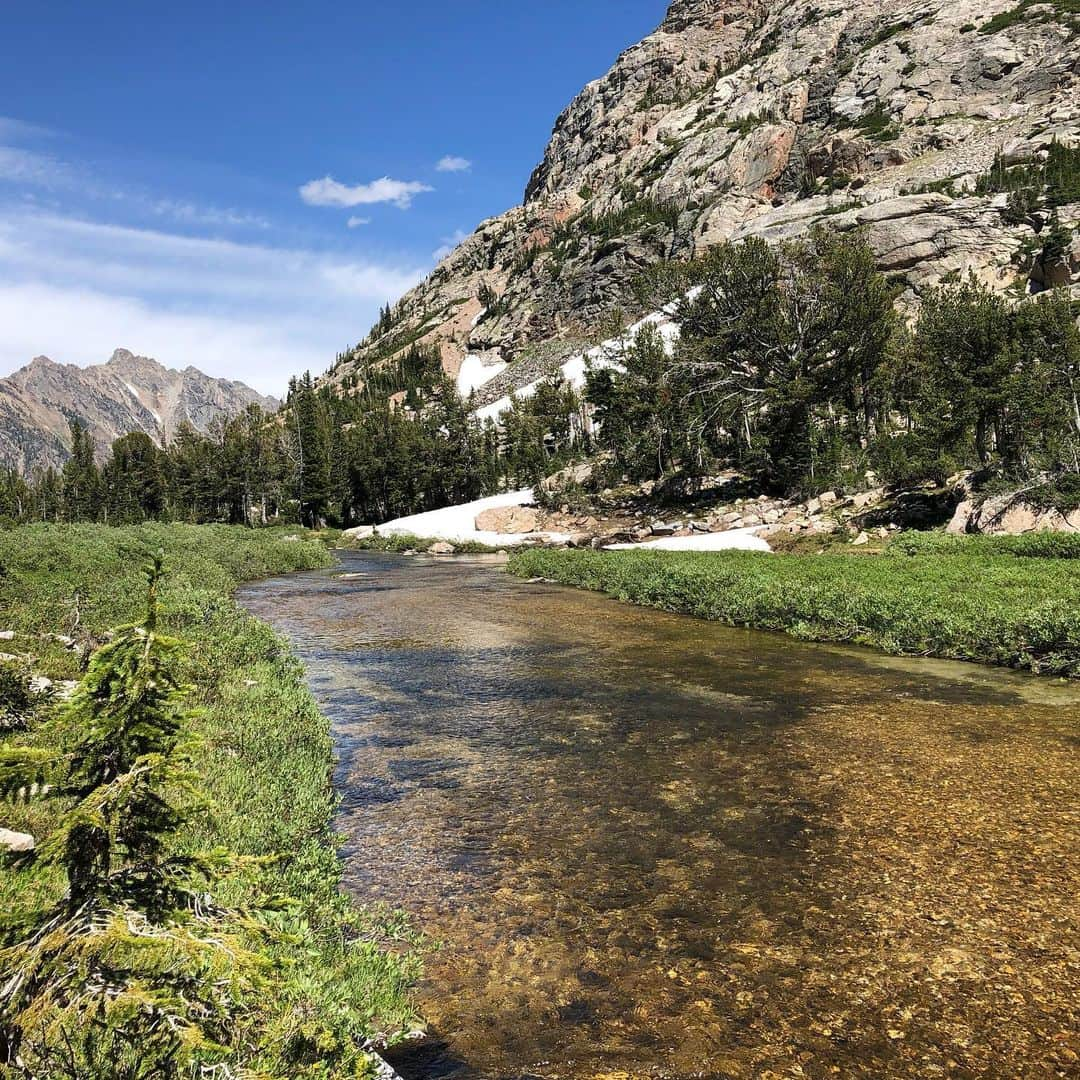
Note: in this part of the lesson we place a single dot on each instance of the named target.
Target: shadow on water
(653, 846)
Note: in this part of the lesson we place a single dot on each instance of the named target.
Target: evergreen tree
(135, 972)
(310, 431)
(81, 480)
(964, 361)
(134, 480)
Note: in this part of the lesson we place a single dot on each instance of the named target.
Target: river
(656, 847)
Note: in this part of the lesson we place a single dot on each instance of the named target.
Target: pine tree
(134, 973)
(82, 482)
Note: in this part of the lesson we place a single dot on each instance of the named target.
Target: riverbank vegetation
(949, 599)
(203, 926)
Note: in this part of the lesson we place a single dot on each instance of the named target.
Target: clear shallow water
(653, 846)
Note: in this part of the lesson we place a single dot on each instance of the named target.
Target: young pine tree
(134, 972)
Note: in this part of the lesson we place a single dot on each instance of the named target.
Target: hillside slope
(128, 393)
(739, 118)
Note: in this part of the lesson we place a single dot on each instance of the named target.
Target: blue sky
(240, 186)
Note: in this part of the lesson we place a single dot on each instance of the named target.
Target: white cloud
(32, 169)
(329, 192)
(357, 222)
(10, 128)
(38, 170)
(191, 214)
(75, 290)
(449, 243)
(84, 326)
(453, 163)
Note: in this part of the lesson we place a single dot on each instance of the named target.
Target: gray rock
(441, 547)
(127, 394)
(15, 841)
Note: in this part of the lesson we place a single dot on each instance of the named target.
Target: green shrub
(1039, 545)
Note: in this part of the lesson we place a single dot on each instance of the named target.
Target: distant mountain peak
(127, 393)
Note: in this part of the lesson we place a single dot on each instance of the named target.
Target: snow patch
(606, 354)
(732, 540)
(475, 373)
(457, 524)
(135, 394)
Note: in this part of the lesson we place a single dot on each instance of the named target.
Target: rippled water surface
(656, 847)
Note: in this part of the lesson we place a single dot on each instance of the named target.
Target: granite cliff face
(129, 393)
(739, 118)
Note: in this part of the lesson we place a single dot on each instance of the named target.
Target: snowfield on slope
(603, 355)
(457, 524)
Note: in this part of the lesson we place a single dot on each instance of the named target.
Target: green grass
(264, 753)
(399, 544)
(1038, 545)
(994, 609)
(1064, 11)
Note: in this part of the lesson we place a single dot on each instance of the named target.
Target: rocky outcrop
(740, 118)
(128, 393)
(1011, 514)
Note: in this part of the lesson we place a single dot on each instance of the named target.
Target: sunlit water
(656, 847)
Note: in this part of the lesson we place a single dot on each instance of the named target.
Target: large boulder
(508, 520)
(961, 520)
(15, 842)
(1010, 515)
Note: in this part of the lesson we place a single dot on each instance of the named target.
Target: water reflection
(658, 847)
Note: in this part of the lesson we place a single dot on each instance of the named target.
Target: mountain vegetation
(404, 443)
(794, 365)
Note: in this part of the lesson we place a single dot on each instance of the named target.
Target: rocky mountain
(742, 118)
(128, 393)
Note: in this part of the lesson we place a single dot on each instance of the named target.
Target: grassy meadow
(340, 975)
(994, 600)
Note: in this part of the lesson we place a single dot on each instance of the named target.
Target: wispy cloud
(449, 243)
(30, 168)
(355, 222)
(188, 213)
(77, 289)
(12, 130)
(21, 166)
(453, 163)
(330, 192)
